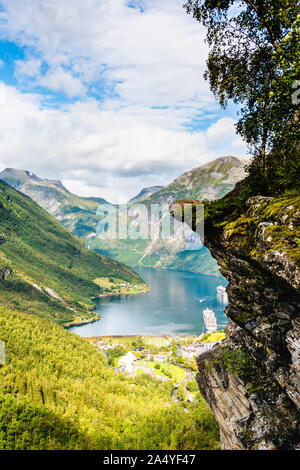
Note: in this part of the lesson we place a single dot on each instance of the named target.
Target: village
(113, 286)
(164, 358)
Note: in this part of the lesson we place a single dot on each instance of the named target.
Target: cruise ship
(222, 294)
(210, 321)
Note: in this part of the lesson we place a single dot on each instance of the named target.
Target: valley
(79, 215)
(47, 271)
(57, 390)
(149, 270)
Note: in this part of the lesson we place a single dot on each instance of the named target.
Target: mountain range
(45, 270)
(79, 214)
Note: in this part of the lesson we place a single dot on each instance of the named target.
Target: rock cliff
(252, 379)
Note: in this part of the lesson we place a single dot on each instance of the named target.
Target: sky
(107, 95)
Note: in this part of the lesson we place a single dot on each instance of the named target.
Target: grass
(213, 337)
(118, 286)
(177, 372)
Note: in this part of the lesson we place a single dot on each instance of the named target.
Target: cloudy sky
(107, 95)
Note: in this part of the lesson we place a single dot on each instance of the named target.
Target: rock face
(252, 379)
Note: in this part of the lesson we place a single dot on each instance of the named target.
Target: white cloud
(101, 152)
(145, 69)
(1, 63)
(60, 80)
(152, 58)
(25, 69)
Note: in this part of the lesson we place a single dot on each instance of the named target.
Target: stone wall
(251, 380)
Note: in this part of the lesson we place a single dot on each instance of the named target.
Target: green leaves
(254, 59)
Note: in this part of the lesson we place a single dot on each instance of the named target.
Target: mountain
(210, 181)
(145, 193)
(47, 271)
(79, 215)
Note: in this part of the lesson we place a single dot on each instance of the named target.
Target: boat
(210, 321)
(222, 294)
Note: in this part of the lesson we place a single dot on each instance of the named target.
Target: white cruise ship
(210, 321)
(222, 294)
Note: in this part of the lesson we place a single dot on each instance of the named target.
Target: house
(127, 363)
(163, 357)
(105, 346)
(194, 350)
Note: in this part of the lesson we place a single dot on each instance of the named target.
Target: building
(104, 346)
(160, 357)
(163, 357)
(127, 363)
(210, 321)
(194, 350)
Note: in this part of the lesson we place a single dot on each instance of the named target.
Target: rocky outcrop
(252, 379)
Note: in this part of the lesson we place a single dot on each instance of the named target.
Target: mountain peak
(145, 192)
(16, 173)
(17, 178)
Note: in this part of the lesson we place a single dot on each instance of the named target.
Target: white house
(127, 363)
(163, 357)
(194, 350)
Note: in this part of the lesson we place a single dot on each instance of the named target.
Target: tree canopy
(254, 60)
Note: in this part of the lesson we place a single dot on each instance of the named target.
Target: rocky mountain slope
(252, 379)
(145, 193)
(209, 181)
(79, 215)
(44, 269)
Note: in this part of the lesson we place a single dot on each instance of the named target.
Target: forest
(58, 392)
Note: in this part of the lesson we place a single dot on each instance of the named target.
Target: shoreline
(98, 316)
(82, 322)
(129, 336)
(114, 294)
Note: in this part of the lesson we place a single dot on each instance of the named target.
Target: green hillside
(46, 270)
(57, 392)
(79, 215)
(210, 181)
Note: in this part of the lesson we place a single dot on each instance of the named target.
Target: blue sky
(107, 96)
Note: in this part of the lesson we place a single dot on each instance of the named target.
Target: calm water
(171, 307)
